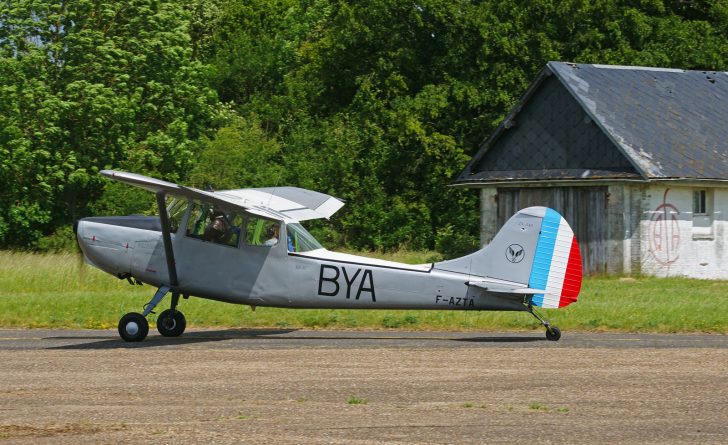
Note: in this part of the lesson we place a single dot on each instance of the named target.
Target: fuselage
(258, 275)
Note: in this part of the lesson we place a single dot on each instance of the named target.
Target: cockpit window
(299, 240)
(262, 232)
(209, 223)
(176, 207)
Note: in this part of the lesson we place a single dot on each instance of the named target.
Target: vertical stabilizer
(535, 249)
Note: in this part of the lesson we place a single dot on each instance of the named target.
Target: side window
(262, 232)
(176, 206)
(209, 223)
(703, 214)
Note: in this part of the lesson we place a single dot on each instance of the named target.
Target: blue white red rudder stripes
(556, 264)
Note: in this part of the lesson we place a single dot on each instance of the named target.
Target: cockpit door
(222, 253)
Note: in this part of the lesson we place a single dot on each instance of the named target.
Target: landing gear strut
(170, 323)
(552, 332)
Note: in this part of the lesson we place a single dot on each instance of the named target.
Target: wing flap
(294, 202)
(227, 202)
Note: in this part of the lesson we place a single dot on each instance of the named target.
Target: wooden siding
(584, 208)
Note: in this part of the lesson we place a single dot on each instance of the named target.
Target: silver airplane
(247, 246)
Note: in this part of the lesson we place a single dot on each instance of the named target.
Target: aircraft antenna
(278, 181)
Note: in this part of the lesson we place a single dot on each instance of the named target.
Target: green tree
(378, 102)
(240, 155)
(407, 91)
(87, 85)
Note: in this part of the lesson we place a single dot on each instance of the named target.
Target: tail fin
(536, 249)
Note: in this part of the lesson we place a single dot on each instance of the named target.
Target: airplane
(248, 246)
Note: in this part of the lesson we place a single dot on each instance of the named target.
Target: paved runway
(24, 339)
(305, 387)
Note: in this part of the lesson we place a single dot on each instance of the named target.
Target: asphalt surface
(303, 387)
(22, 339)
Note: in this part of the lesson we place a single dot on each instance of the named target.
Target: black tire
(133, 327)
(171, 323)
(553, 333)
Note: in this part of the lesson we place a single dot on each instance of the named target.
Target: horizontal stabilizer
(504, 289)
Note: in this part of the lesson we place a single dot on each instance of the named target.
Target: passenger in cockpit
(273, 234)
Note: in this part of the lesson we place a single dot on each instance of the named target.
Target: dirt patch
(363, 396)
(51, 430)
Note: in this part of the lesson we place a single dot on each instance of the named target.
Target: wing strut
(167, 239)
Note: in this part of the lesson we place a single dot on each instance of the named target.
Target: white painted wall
(674, 242)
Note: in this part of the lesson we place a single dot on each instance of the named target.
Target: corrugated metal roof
(668, 123)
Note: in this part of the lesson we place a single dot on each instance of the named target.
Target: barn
(635, 158)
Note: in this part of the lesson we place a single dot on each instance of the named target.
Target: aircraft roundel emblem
(514, 253)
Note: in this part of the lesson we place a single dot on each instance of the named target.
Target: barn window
(699, 202)
(702, 214)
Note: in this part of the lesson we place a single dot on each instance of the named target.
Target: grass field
(57, 290)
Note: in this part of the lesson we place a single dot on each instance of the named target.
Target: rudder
(535, 249)
(556, 264)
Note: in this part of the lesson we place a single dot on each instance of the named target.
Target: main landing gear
(552, 332)
(170, 323)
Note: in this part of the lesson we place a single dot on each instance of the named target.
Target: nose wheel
(134, 326)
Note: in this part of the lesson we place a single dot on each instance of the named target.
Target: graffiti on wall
(665, 232)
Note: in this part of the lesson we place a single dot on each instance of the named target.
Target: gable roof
(661, 123)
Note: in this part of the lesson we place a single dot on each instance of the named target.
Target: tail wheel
(133, 327)
(553, 333)
(171, 323)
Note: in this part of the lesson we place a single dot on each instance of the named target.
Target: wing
(277, 202)
(296, 203)
(141, 181)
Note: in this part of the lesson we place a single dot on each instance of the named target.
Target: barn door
(584, 208)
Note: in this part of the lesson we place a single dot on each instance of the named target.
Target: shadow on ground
(153, 341)
(293, 337)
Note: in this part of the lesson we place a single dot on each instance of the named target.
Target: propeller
(80, 260)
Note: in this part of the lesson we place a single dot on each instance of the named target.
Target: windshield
(176, 207)
(299, 240)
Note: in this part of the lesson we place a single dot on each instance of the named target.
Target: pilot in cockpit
(217, 229)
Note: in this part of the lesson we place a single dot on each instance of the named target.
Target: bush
(62, 240)
(453, 244)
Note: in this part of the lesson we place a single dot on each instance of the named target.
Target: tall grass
(58, 290)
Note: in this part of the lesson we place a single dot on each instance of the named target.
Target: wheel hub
(132, 328)
(169, 323)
